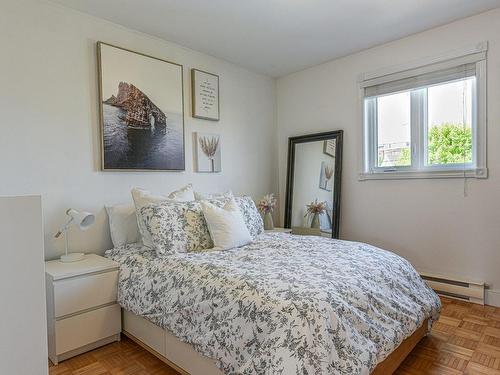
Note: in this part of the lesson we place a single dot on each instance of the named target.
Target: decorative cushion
(123, 224)
(226, 225)
(203, 196)
(251, 215)
(177, 226)
(184, 194)
(143, 198)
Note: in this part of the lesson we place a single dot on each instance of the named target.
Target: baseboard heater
(458, 289)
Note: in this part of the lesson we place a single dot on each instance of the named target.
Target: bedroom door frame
(324, 136)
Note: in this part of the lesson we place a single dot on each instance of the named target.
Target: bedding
(123, 224)
(177, 226)
(181, 226)
(283, 304)
(225, 224)
(184, 194)
(143, 198)
(251, 215)
(199, 196)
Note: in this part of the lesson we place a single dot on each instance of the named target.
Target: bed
(283, 304)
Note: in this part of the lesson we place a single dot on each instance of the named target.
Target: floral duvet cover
(284, 304)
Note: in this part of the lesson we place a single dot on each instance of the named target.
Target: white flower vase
(315, 221)
(268, 221)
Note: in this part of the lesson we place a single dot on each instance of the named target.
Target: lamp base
(72, 257)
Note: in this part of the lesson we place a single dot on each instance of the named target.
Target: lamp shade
(81, 219)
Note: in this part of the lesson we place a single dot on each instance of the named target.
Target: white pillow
(123, 224)
(184, 194)
(143, 197)
(199, 196)
(226, 225)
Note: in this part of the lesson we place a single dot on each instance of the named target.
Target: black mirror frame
(292, 141)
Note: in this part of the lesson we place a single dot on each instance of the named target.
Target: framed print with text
(205, 95)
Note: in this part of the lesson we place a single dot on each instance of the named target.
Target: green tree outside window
(447, 144)
(450, 144)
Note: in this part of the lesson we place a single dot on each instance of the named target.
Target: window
(393, 130)
(426, 120)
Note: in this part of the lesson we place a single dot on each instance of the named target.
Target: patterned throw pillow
(177, 226)
(143, 198)
(251, 215)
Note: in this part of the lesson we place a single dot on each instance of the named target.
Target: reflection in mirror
(313, 184)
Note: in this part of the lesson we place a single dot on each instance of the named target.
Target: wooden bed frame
(184, 359)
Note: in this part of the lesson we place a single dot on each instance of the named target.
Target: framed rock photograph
(141, 110)
(208, 157)
(205, 95)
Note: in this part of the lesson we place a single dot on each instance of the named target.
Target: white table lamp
(83, 220)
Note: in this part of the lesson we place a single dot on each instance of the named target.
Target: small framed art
(205, 95)
(329, 147)
(326, 176)
(208, 152)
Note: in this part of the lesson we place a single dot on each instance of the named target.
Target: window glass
(449, 125)
(394, 130)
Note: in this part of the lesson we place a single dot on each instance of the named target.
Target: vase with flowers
(266, 207)
(314, 210)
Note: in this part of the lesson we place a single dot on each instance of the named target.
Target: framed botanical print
(208, 156)
(141, 111)
(205, 95)
(326, 176)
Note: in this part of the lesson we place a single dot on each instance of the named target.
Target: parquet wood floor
(465, 340)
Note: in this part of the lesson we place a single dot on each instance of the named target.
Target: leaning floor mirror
(312, 204)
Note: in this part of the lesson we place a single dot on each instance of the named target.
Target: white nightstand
(279, 230)
(82, 313)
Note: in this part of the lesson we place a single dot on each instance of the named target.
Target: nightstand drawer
(84, 292)
(82, 329)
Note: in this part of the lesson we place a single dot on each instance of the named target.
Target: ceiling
(278, 37)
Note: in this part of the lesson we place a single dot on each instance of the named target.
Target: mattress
(283, 304)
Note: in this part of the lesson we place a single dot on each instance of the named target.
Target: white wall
(429, 222)
(49, 141)
(23, 343)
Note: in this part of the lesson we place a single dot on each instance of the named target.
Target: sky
(160, 81)
(445, 104)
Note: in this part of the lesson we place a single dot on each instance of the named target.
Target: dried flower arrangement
(315, 208)
(267, 204)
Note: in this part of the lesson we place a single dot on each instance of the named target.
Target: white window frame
(477, 169)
